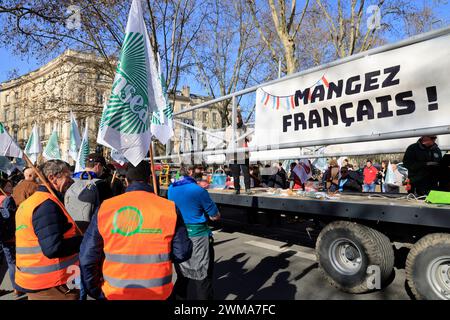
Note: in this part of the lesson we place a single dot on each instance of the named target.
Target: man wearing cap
(422, 159)
(88, 191)
(130, 245)
(47, 242)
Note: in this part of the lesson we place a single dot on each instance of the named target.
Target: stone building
(78, 82)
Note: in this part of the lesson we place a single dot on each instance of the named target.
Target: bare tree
(287, 24)
(349, 33)
(227, 52)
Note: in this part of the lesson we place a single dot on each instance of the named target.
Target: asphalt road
(269, 263)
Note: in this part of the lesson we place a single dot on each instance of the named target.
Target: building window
(15, 114)
(16, 96)
(183, 106)
(81, 96)
(99, 95)
(7, 99)
(214, 117)
(205, 117)
(6, 115)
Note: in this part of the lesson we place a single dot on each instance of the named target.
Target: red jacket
(370, 175)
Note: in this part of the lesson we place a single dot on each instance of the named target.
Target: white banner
(401, 89)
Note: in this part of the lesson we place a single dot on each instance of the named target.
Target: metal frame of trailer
(359, 232)
(359, 207)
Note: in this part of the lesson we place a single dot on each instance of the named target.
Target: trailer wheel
(350, 254)
(428, 267)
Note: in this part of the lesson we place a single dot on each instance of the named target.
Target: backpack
(81, 200)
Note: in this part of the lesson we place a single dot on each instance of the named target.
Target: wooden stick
(47, 185)
(3, 192)
(152, 166)
(113, 178)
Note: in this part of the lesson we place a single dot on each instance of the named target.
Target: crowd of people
(423, 168)
(88, 233)
(69, 235)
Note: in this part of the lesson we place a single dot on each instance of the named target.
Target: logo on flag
(127, 110)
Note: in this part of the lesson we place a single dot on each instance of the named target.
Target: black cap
(94, 158)
(141, 172)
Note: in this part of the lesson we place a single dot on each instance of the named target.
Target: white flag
(75, 138)
(118, 157)
(162, 124)
(51, 151)
(8, 147)
(34, 146)
(83, 152)
(125, 123)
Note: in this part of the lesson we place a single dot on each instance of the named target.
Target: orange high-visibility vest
(137, 230)
(34, 271)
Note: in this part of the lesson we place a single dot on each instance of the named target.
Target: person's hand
(432, 163)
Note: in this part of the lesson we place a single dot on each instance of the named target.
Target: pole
(113, 178)
(3, 192)
(47, 185)
(152, 166)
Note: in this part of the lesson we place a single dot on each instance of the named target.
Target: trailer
(396, 91)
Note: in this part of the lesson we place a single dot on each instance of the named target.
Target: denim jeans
(9, 251)
(369, 187)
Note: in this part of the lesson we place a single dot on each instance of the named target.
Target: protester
(114, 180)
(88, 191)
(131, 243)
(238, 160)
(382, 174)
(370, 177)
(331, 176)
(7, 229)
(266, 173)
(422, 160)
(347, 183)
(26, 187)
(196, 274)
(255, 177)
(47, 242)
(279, 178)
(294, 181)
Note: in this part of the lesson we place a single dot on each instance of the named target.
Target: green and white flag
(8, 147)
(75, 139)
(162, 124)
(51, 151)
(125, 123)
(83, 152)
(34, 146)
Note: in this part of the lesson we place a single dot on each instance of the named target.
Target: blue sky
(25, 64)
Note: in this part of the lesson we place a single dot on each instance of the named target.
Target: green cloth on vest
(198, 230)
(438, 197)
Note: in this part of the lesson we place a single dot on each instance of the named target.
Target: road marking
(304, 255)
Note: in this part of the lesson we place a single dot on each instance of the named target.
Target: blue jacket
(92, 255)
(193, 201)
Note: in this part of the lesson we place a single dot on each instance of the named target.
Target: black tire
(418, 266)
(375, 250)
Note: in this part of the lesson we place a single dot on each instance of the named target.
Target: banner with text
(401, 89)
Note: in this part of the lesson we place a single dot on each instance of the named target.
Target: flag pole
(152, 166)
(113, 177)
(46, 184)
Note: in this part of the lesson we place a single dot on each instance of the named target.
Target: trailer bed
(374, 207)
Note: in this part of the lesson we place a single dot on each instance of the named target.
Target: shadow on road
(281, 287)
(230, 272)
